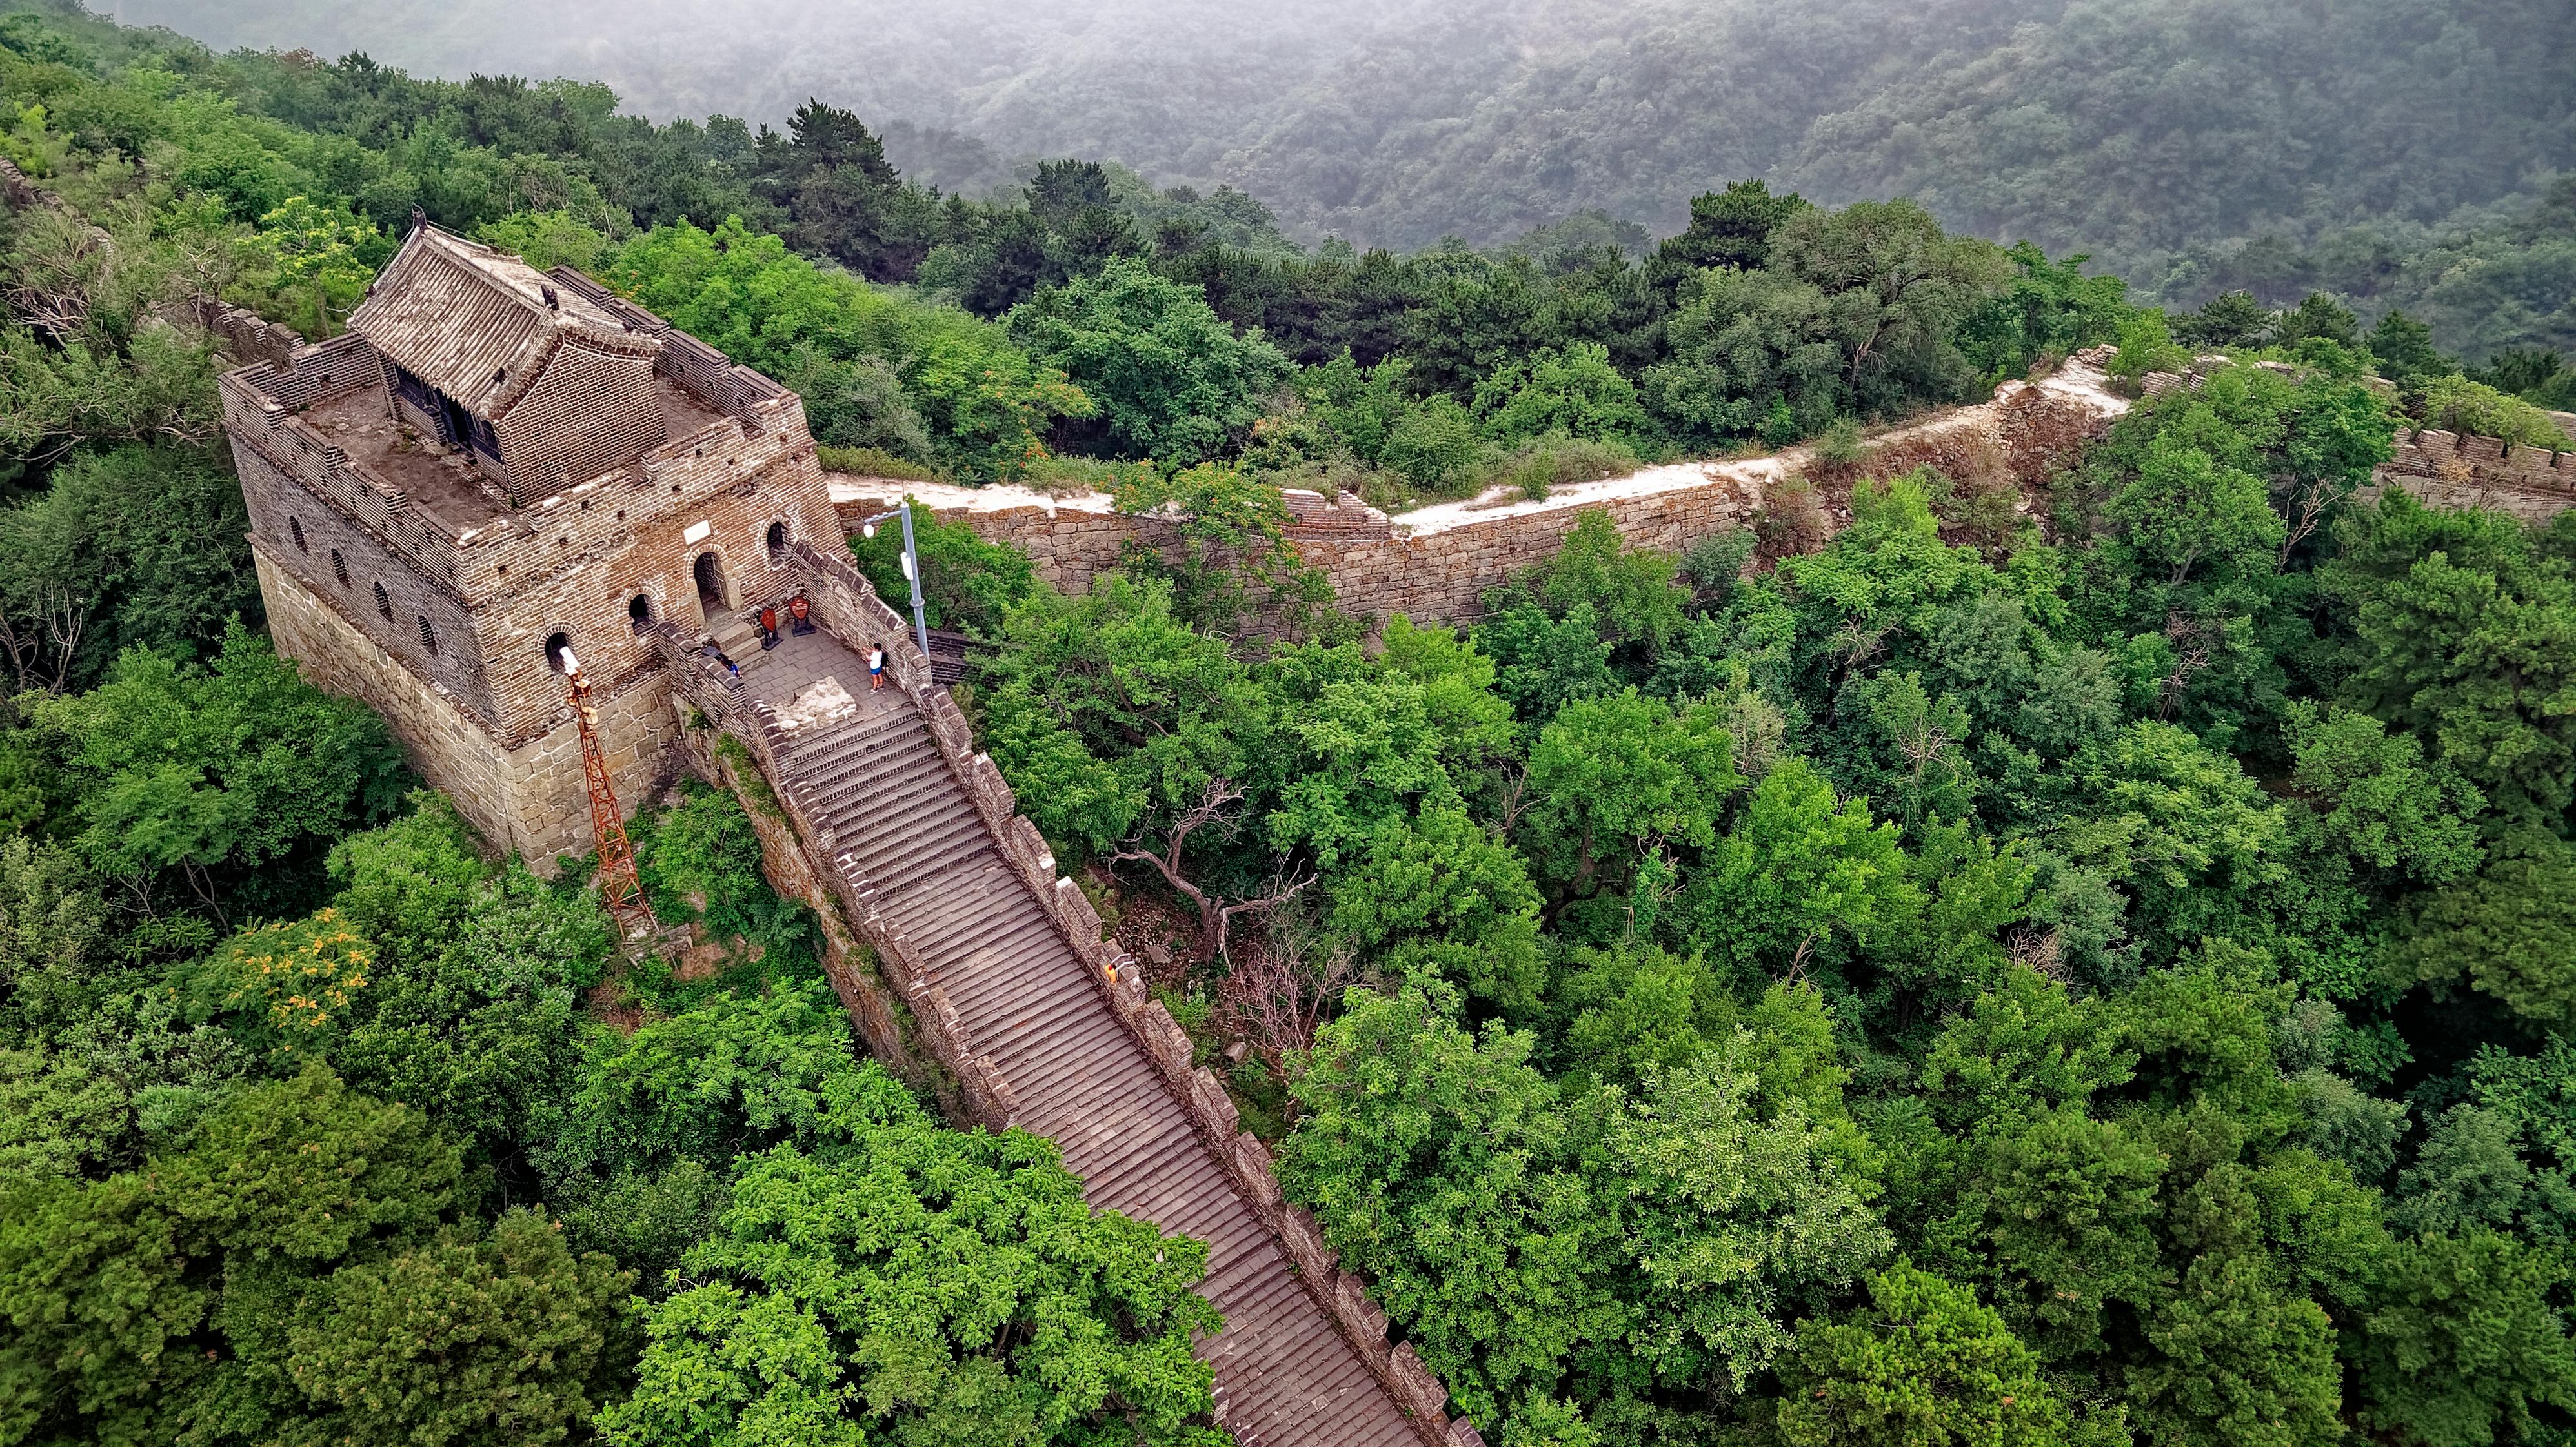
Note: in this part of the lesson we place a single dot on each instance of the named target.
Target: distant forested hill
(2134, 127)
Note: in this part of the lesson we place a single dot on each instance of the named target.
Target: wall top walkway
(1042, 1022)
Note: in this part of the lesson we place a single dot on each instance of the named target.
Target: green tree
(1573, 390)
(1897, 288)
(185, 771)
(469, 1337)
(1172, 381)
(1727, 228)
(137, 547)
(1437, 889)
(293, 1273)
(1615, 775)
(1543, 661)
(2184, 511)
(1631, 590)
(2178, 825)
(965, 581)
(989, 406)
(896, 1281)
(2403, 347)
(2459, 633)
(1100, 707)
(2382, 804)
(1441, 1164)
(1739, 1213)
(1924, 1366)
(320, 260)
(1432, 444)
(2461, 1342)
(1801, 871)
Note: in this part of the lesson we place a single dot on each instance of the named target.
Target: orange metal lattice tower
(618, 887)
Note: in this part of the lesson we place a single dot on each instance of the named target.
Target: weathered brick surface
(406, 581)
(1438, 563)
(2449, 470)
(528, 798)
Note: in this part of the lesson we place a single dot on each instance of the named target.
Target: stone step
(895, 807)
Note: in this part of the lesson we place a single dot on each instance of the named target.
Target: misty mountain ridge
(2163, 137)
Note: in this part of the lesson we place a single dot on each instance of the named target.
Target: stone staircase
(880, 791)
(1042, 1023)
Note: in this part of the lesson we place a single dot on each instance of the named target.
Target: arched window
(557, 645)
(428, 636)
(296, 527)
(384, 603)
(640, 608)
(777, 541)
(339, 570)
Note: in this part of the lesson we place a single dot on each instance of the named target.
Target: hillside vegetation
(2161, 136)
(2075, 960)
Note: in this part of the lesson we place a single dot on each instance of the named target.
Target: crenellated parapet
(848, 607)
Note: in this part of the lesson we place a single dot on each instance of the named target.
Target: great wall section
(964, 959)
(878, 812)
(1435, 563)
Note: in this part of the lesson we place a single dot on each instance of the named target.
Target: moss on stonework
(753, 784)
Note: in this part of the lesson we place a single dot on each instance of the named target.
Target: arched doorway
(714, 592)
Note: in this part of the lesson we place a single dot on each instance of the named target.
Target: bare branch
(1211, 811)
(2311, 504)
(1280, 994)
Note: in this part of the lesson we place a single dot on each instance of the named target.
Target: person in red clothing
(768, 627)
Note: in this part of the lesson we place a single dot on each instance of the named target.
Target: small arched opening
(295, 526)
(558, 647)
(384, 603)
(777, 541)
(714, 590)
(428, 636)
(339, 569)
(639, 610)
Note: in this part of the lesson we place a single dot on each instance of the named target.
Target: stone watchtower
(494, 464)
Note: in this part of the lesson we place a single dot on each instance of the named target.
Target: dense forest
(2094, 965)
(2362, 146)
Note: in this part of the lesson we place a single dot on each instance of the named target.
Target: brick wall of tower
(529, 799)
(283, 510)
(585, 595)
(590, 412)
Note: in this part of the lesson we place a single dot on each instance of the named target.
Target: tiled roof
(473, 322)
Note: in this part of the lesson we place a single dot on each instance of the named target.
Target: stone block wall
(1442, 576)
(587, 592)
(530, 798)
(243, 335)
(2447, 469)
(1379, 572)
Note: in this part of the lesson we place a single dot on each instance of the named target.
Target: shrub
(2456, 404)
(1432, 446)
(1552, 458)
(872, 462)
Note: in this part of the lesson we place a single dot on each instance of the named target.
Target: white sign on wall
(697, 532)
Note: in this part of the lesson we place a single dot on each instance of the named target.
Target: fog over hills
(2140, 129)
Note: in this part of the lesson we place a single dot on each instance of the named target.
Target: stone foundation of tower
(530, 799)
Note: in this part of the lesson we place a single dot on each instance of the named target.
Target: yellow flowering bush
(298, 977)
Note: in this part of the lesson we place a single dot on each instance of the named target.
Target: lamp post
(911, 568)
